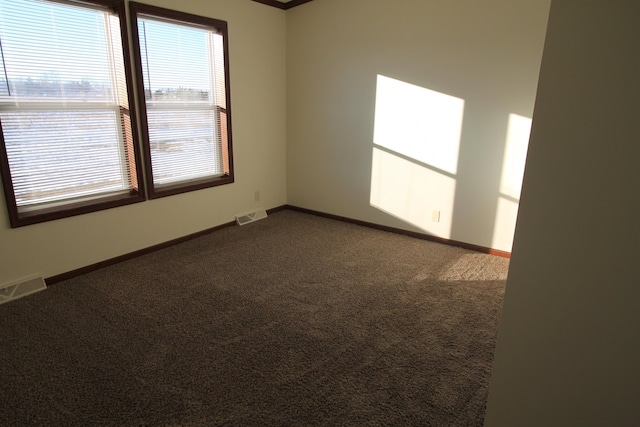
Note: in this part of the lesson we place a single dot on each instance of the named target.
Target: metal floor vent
(248, 217)
(21, 288)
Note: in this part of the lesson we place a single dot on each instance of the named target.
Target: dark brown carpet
(292, 320)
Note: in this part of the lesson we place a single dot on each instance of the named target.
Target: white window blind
(63, 103)
(184, 88)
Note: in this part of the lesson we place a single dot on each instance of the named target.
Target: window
(181, 61)
(67, 142)
(68, 137)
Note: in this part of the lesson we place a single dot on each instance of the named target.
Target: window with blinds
(67, 139)
(185, 122)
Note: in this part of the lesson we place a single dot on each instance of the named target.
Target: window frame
(81, 206)
(153, 191)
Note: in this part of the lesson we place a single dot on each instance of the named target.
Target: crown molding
(283, 6)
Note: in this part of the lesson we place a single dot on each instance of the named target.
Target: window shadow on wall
(416, 140)
(444, 167)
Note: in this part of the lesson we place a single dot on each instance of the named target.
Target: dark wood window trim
(223, 114)
(67, 208)
(283, 6)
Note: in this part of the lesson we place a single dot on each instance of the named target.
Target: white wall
(568, 350)
(257, 64)
(399, 108)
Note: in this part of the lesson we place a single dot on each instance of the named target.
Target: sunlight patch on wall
(415, 155)
(503, 231)
(419, 123)
(515, 157)
(412, 192)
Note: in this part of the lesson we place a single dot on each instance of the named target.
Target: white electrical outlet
(256, 196)
(435, 216)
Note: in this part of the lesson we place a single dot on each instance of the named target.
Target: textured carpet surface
(292, 320)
